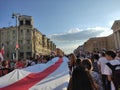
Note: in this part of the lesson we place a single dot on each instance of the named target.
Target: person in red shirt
(19, 64)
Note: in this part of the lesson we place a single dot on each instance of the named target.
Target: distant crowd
(7, 66)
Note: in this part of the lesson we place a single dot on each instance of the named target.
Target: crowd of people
(94, 71)
(7, 66)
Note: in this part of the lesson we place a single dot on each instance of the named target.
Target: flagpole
(16, 15)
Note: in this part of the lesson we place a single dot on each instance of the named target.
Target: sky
(68, 23)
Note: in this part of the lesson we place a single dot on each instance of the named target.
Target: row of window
(27, 42)
(27, 22)
(21, 54)
(25, 48)
(14, 32)
(20, 42)
(27, 31)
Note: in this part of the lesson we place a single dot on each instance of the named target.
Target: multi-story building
(45, 49)
(110, 42)
(30, 40)
(95, 44)
(99, 43)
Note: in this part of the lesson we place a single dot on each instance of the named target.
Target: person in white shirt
(110, 55)
(101, 65)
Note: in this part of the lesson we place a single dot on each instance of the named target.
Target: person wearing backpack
(112, 70)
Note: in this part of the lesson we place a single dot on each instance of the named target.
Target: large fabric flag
(2, 53)
(50, 76)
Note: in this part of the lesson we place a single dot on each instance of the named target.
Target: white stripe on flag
(59, 78)
(18, 74)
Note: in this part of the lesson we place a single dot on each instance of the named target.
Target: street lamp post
(16, 15)
(34, 33)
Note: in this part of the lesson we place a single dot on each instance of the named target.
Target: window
(21, 48)
(13, 31)
(27, 22)
(7, 43)
(21, 54)
(28, 41)
(21, 22)
(28, 54)
(21, 41)
(2, 33)
(13, 37)
(13, 42)
(7, 32)
(28, 30)
(21, 31)
(28, 47)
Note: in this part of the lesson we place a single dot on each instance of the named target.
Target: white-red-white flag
(50, 76)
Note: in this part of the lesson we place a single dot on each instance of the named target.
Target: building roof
(116, 25)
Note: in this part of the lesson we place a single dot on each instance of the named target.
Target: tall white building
(116, 31)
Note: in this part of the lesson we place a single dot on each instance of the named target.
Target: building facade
(110, 42)
(99, 44)
(116, 32)
(95, 44)
(30, 40)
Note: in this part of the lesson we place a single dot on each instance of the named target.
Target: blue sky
(69, 23)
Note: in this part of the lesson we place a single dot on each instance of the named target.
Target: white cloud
(76, 30)
(75, 37)
(111, 22)
(98, 28)
(105, 33)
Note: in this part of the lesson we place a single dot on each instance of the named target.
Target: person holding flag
(2, 53)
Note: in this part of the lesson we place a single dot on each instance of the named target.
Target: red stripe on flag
(32, 79)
